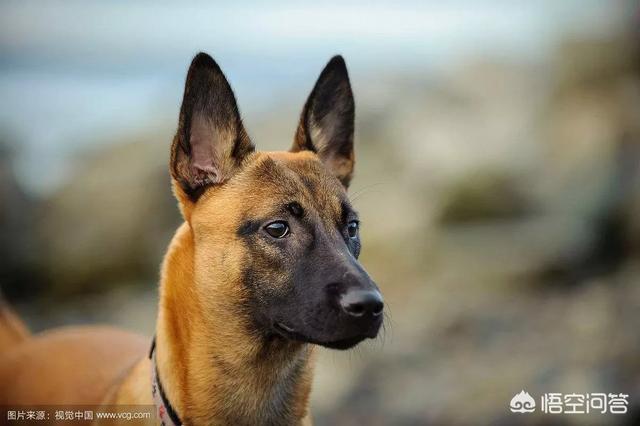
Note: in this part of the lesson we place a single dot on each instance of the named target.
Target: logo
(572, 403)
(522, 403)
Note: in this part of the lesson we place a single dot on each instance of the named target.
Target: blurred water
(75, 73)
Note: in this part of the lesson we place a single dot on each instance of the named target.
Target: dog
(263, 269)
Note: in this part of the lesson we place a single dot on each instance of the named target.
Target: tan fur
(214, 366)
(196, 324)
(12, 329)
(191, 317)
(75, 365)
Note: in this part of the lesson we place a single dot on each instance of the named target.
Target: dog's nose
(358, 303)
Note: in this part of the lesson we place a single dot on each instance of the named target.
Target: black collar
(163, 406)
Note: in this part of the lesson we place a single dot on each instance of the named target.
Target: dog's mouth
(290, 333)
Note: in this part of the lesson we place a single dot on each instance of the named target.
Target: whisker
(362, 191)
(387, 325)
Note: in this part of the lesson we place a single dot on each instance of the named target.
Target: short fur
(239, 308)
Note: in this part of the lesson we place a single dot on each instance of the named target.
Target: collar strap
(165, 412)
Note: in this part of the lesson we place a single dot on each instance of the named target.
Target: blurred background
(498, 179)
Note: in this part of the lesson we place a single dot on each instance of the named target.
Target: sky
(73, 73)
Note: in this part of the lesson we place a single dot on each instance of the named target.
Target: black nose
(357, 303)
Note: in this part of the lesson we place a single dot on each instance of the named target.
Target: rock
(19, 248)
(112, 221)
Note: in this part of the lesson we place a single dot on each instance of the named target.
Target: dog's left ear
(327, 121)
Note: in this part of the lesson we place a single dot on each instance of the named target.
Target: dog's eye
(279, 229)
(352, 228)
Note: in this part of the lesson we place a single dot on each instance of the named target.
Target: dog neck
(212, 369)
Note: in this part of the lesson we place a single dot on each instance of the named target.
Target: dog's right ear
(211, 142)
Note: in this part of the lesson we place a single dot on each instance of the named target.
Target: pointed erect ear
(211, 142)
(326, 124)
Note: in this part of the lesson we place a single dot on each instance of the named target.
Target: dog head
(275, 231)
